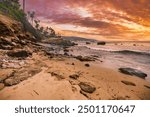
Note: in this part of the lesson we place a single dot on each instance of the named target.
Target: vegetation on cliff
(12, 9)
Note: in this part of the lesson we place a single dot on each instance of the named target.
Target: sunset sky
(99, 19)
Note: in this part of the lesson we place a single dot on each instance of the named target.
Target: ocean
(121, 54)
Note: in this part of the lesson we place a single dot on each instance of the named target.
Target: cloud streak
(109, 19)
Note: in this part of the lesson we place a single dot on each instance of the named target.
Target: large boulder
(133, 72)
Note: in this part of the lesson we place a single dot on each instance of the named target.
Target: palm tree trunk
(24, 5)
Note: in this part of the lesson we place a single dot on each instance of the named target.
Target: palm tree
(32, 15)
(24, 5)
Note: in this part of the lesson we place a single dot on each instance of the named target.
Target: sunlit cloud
(99, 19)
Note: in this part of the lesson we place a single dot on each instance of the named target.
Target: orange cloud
(101, 19)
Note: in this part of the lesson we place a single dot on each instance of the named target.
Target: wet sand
(110, 84)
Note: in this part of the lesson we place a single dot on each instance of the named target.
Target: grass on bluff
(12, 9)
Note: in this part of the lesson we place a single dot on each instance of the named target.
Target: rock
(5, 30)
(131, 71)
(60, 77)
(87, 65)
(72, 64)
(147, 86)
(10, 82)
(66, 54)
(87, 87)
(11, 65)
(74, 76)
(101, 43)
(61, 42)
(1, 86)
(5, 73)
(128, 83)
(134, 44)
(66, 50)
(21, 75)
(19, 53)
(88, 43)
(7, 47)
(6, 43)
(85, 58)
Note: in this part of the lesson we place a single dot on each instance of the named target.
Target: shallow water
(137, 56)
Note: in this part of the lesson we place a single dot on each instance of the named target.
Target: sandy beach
(53, 82)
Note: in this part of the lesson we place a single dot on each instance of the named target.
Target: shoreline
(53, 82)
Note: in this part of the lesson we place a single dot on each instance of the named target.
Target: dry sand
(54, 83)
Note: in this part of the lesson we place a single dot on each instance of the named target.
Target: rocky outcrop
(4, 30)
(19, 53)
(21, 75)
(60, 42)
(133, 72)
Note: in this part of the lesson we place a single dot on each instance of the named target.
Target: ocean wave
(132, 52)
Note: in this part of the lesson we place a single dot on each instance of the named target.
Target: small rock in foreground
(74, 76)
(87, 87)
(147, 86)
(128, 83)
(87, 65)
(1, 86)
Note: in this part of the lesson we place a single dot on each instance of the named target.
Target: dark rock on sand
(101, 43)
(58, 76)
(1, 86)
(74, 76)
(147, 86)
(19, 53)
(85, 58)
(88, 43)
(87, 65)
(128, 83)
(135, 72)
(87, 87)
